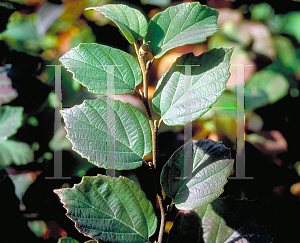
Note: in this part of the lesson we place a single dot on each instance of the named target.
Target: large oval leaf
(186, 23)
(110, 209)
(89, 128)
(91, 64)
(10, 120)
(131, 21)
(173, 94)
(193, 180)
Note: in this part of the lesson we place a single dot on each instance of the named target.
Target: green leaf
(161, 3)
(110, 209)
(91, 65)
(39, 228)
(180, 97)
(214, 226)
(216, 218)
(226, 104)
(131, 21)
(12, 152)
(225, 220)
(10, 120)
(186, 23)
(291, 21)
(274, 85)
(196, 173)
(89, 127)
(67, 240)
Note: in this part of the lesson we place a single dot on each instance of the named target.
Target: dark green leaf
(186, 23)
(180, 97)
(221, 222)
(91, 65)
(196, 173)
(67, 240)
(131, 21)
(89, 127)
(110, 209)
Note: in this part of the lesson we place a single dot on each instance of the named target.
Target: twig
(141, 53)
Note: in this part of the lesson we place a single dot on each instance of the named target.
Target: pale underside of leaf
(89, 128)
(13, 152)
(10, 120)
(196, 173)
(186, 23)
(95, 65)
(181, 97)
(7, 92)
(130, 21)
(110, 209)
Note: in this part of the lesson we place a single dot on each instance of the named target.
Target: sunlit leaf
(186, 23)
(291, 25)
(92, 63)
(89, 127)
(39, 228)
(110, 209)
(13, 152)
(131, 21)
(273, 84)
(10, 120)
(196, 173)
(179, 95)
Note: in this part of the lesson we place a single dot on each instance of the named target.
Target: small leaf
(110, 209)
(91, 64)
(67, 240)
(89, 127)
(196, 173)
(177, 90)
(131, 21)
(274, 85)
(186, 23)
(7, 92)
(12, 152)
(10, 120)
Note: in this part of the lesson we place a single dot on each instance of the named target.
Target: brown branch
(141, 53)
(142, 62)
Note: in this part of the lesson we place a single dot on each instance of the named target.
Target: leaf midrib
(105, 131)
(191, 86)
(114, 217)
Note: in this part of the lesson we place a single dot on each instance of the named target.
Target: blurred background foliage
(36, 33)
